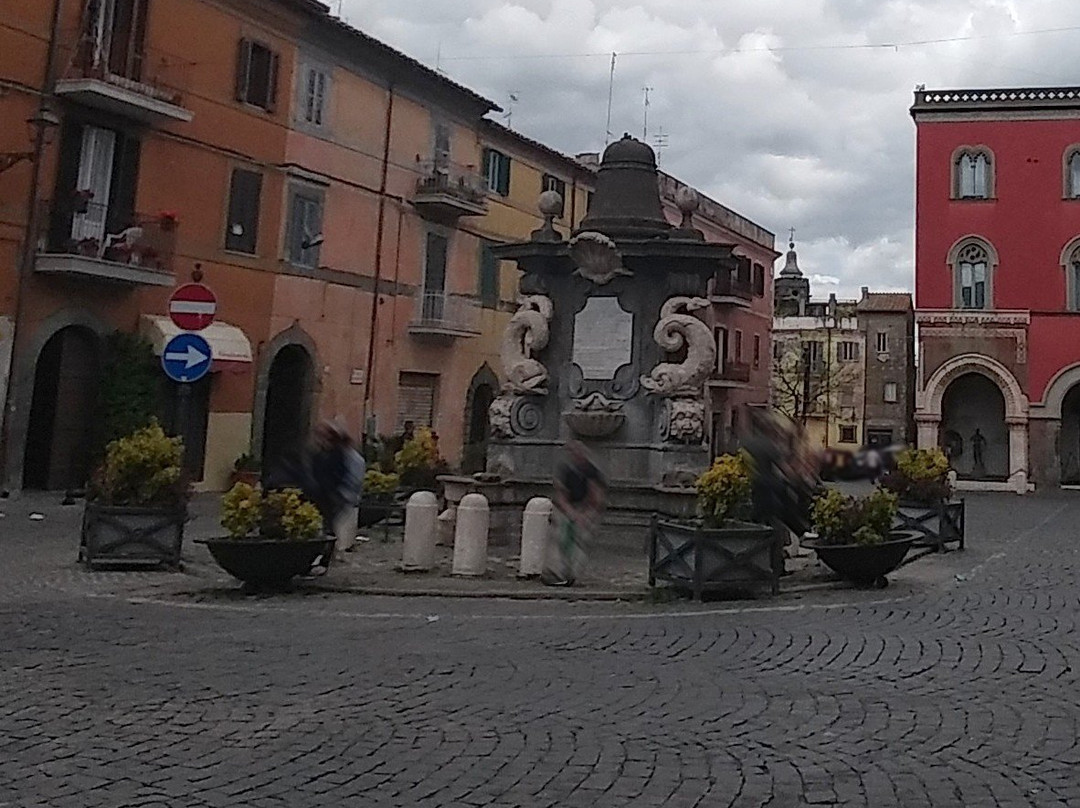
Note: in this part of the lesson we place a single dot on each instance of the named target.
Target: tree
(805, 383)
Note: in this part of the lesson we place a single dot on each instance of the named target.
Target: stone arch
(929, 415)
(292, 336)
(483, 388)
(1016, 403)
(23, 372)
(1056, 390)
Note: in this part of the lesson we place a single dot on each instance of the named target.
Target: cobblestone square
(956, 686)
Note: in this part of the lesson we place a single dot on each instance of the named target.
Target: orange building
(339, 197)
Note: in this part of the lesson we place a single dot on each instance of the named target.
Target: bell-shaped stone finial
(627, 198)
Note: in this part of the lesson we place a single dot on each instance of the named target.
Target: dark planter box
(374, 508)
(701, 559)
(937, 524)
(113, 534)
(866, 564)
(267, 563)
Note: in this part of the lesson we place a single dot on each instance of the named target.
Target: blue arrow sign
(186, 358)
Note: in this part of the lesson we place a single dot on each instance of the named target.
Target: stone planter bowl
(267, 564)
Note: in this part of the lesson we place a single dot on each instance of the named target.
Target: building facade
(845, 369)
(887, 320)
(341, 199)
(998, 283)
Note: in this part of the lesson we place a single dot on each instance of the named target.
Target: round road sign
(186, 358)
(192, 306)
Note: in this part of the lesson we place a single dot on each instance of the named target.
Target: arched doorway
(1069, 437)
(289, 389)
(973, 428)
(60, 432)
(482, 391)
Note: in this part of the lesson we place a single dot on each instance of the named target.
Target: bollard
(471, 536)
(534, 531)
(421, 513)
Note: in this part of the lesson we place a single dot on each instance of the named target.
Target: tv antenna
(660, 142)
(645, 122)
(513, 99)
(610, 93)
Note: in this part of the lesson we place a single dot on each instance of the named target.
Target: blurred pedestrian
(579, 501)
(337, 475)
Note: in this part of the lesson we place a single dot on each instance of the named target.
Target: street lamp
(41, 125)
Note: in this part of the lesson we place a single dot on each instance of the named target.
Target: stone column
(471, 536)
(927, 428)
(534, 532)
(421, 514)
(1018, 455)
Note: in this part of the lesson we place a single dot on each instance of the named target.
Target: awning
(230, 345)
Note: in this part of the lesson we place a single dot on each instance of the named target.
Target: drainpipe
(29, 246)
(369, 399)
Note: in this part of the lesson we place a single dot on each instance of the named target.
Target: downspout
(29, 251)
(369, 399)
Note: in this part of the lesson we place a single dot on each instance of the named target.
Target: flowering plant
(921, 475)
(724, 490)
(375, 482)
(838, 519)
(278, 515)
(168, 219)
(142, 469)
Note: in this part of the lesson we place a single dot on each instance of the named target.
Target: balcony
(78, 241)
(732, 374)
(729, 289)
(443, 317)
(110, 68)
(447, 191)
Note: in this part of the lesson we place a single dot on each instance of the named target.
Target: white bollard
(471, 536)
(421, 514)
(534, 532)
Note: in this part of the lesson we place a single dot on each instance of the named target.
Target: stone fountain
(607, 347)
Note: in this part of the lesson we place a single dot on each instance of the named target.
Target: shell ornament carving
(678, 327)
(596, 258)
(526, 335)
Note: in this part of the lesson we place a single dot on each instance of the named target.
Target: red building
(997, 283)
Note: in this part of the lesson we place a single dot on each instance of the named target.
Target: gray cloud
(760, 112)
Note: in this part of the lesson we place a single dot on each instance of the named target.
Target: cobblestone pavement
(957, 688)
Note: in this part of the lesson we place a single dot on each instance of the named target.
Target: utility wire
(777, 49)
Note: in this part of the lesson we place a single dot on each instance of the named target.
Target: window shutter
(416, 398)
(485, 161)
(504, 175)
(272, 82)
(124, 181)
(243, 68)
(244, 192)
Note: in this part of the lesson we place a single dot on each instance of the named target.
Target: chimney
(865, 292)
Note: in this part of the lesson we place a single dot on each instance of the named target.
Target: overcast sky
(769, 106)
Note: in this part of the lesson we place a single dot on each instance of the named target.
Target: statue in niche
(978, 450)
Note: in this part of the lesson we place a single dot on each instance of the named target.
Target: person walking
(337, 475)
(579, 501)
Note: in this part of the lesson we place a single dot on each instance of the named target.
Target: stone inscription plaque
(603, 338)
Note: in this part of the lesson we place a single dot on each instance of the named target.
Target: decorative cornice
(961, 317)
(1001, 100)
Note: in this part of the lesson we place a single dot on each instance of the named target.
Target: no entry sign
(192, 306)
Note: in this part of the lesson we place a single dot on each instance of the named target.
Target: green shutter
(504, 175)
(489, 277)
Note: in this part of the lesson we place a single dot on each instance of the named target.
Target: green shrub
(281, 515)
(375, 482)
(838, 519)
(921, 475)
(724, 490)
(142, 469)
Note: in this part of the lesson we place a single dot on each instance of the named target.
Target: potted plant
(418, 463)
(378, 497)
(168, 220)
(721, 547)
(922, 481)
(80, 200)
(136, 503)
(272, 536)
(855, 538)
(246, 469)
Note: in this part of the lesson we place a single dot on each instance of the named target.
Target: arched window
(974, 267)
(973, 261)
(1072, 173)
(973, 176)
(1070, 262)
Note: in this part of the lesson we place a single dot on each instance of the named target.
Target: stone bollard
(471, 536)
(534, 532)
(421, 513)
